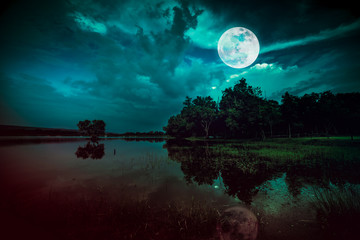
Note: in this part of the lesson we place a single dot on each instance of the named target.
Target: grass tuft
(338, 212)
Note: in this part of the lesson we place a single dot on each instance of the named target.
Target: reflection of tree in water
(198, 161)
(320, 171)
(297, 176)
(203, 165)
(198, 164)
(92, 150)
(243, 172)
(242, 181)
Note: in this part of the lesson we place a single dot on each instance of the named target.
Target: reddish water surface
(50, 188)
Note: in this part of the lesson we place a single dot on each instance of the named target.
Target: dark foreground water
(48, 184)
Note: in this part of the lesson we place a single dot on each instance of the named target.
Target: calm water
(35, 173)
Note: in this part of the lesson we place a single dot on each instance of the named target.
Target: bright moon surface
(238, 47)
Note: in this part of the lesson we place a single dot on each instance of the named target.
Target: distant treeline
(85, 129)
(96, 128)
(243, 113)
(8, 130)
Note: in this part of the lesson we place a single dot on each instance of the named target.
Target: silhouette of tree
(205, 113)
(308, 112)
(243, 113)
(240, 107)
(178, 126)
(198, 163)
(270, 112)
(289, 110)
(349, 111)
(195, 119)
(94, 129)
(328, 108)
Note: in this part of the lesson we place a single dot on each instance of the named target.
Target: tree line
(243, 113)
(96, 128)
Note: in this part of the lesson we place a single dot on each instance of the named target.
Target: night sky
(131, 63)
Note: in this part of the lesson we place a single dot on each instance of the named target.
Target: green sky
(131, 63)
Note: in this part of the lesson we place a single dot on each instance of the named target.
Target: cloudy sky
(131, 63)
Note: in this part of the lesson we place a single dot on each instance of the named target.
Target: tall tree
(98, 128)
(328, 108)
(240, 107)
(95, 128)
(243, 113)
(289, 110)
(270, 112)
(84, 127)
(349, 112)
(178, 127)
(206, 112)
(195, 119)
(308, 112)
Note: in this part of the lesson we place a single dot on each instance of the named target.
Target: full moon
(238, 47)
(238, 223)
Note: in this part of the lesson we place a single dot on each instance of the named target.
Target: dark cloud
(283, 20)
(32, 108)
(51, 108)
(150, 57)
(344, 81)
(184, 19)
(132, 63)
(134, 71)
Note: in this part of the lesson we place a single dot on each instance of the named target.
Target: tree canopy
(92, 128)
(243, 113)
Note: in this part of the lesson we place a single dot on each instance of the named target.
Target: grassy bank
(293, 150)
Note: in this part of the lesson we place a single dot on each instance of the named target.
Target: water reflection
(203, 164)
(137, 189)
(243, 172)
(238, 223)
(92, 150)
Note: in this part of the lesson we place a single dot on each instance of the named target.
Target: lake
(70, 188)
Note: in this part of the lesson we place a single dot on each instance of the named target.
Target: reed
(338, 211)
